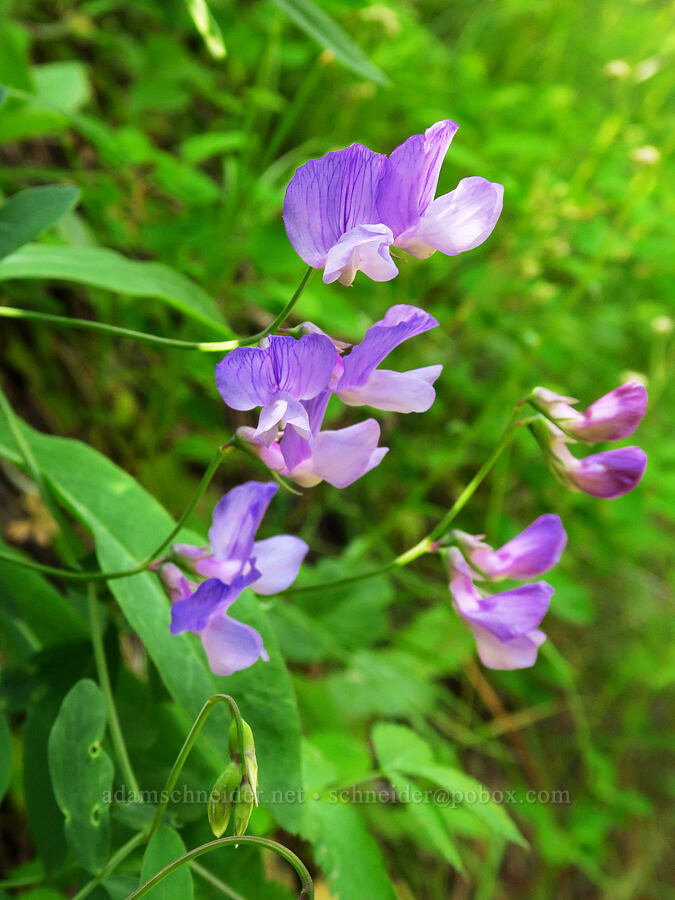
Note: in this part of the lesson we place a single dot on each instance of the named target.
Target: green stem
(70, 575)
(307, 891)
(426, 544)
(111, 865)
(104, 683)
(12, 312)
(187, 746)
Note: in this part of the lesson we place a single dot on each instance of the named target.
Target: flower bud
(223, 797)
(613, 417)
(243, 808)
(250, 761)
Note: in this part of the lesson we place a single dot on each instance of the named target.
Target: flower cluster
(293, 380)
(613, 417)
(505, 624)
(344, 211)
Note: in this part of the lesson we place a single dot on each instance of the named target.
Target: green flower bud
(250, 761)
(223, 797)
(243, 808)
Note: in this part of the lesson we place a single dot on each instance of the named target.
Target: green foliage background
(182, 159)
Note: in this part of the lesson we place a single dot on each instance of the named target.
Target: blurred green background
(183, 158)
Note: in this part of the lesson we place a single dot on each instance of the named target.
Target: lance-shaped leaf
(27, 214)
(82, 772)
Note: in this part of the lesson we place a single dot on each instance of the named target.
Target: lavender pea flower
(504, 624)
(277, 377)
(362, 382)
(345, 210)
(606, 475)
(534, 551)
(613, 417)
(234, 561)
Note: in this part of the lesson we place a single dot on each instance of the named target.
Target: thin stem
(307, 885)
(426, 544)
(71, 575)
(11, 312)
(111, 865)
(187, 746)
(104, 682)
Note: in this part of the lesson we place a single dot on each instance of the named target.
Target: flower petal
(402, 392)
(458, 221)
(533, 552)
(254, 376)
(518, 653)
(236, 519)
(327, 197)
(609, 474)
(614, 416)
(363, 248)
(278, 559)
(341, 457)
(513, 612)
(231, 645)
(400, 323)
(410, 176)
(193, 612)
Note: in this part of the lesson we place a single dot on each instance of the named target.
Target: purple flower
(339, 457)
(277, 377)
(363, 383)
(607, 475)
(504, 624)
(234, 561)
(533, 552)
(613, 417)
(345, 210)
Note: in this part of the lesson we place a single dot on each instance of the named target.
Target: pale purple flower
(277, 377)
(345, 210)
(339, 456)
(504, 624)
(362, 382)
(533, 552)
(613, 417)
(233, 561)
(607, 475)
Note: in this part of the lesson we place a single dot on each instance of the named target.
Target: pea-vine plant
(350, 211)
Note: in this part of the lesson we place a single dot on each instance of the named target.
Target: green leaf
(98, 267)
(82, 772)
(61, 84)
(3, 94)
(128, 523)
(459, 783)
(27, 214)
(6, 753)
(314, 22)
(29, 597)
(426, 819)
(44, 816)
(165, 846)
(398, 747)
(207, 26)
(344, 848)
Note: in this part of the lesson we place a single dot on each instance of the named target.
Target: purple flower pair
(344, 211)
(233, 561)
(292, 380)
(505, 624)
(613, 417)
